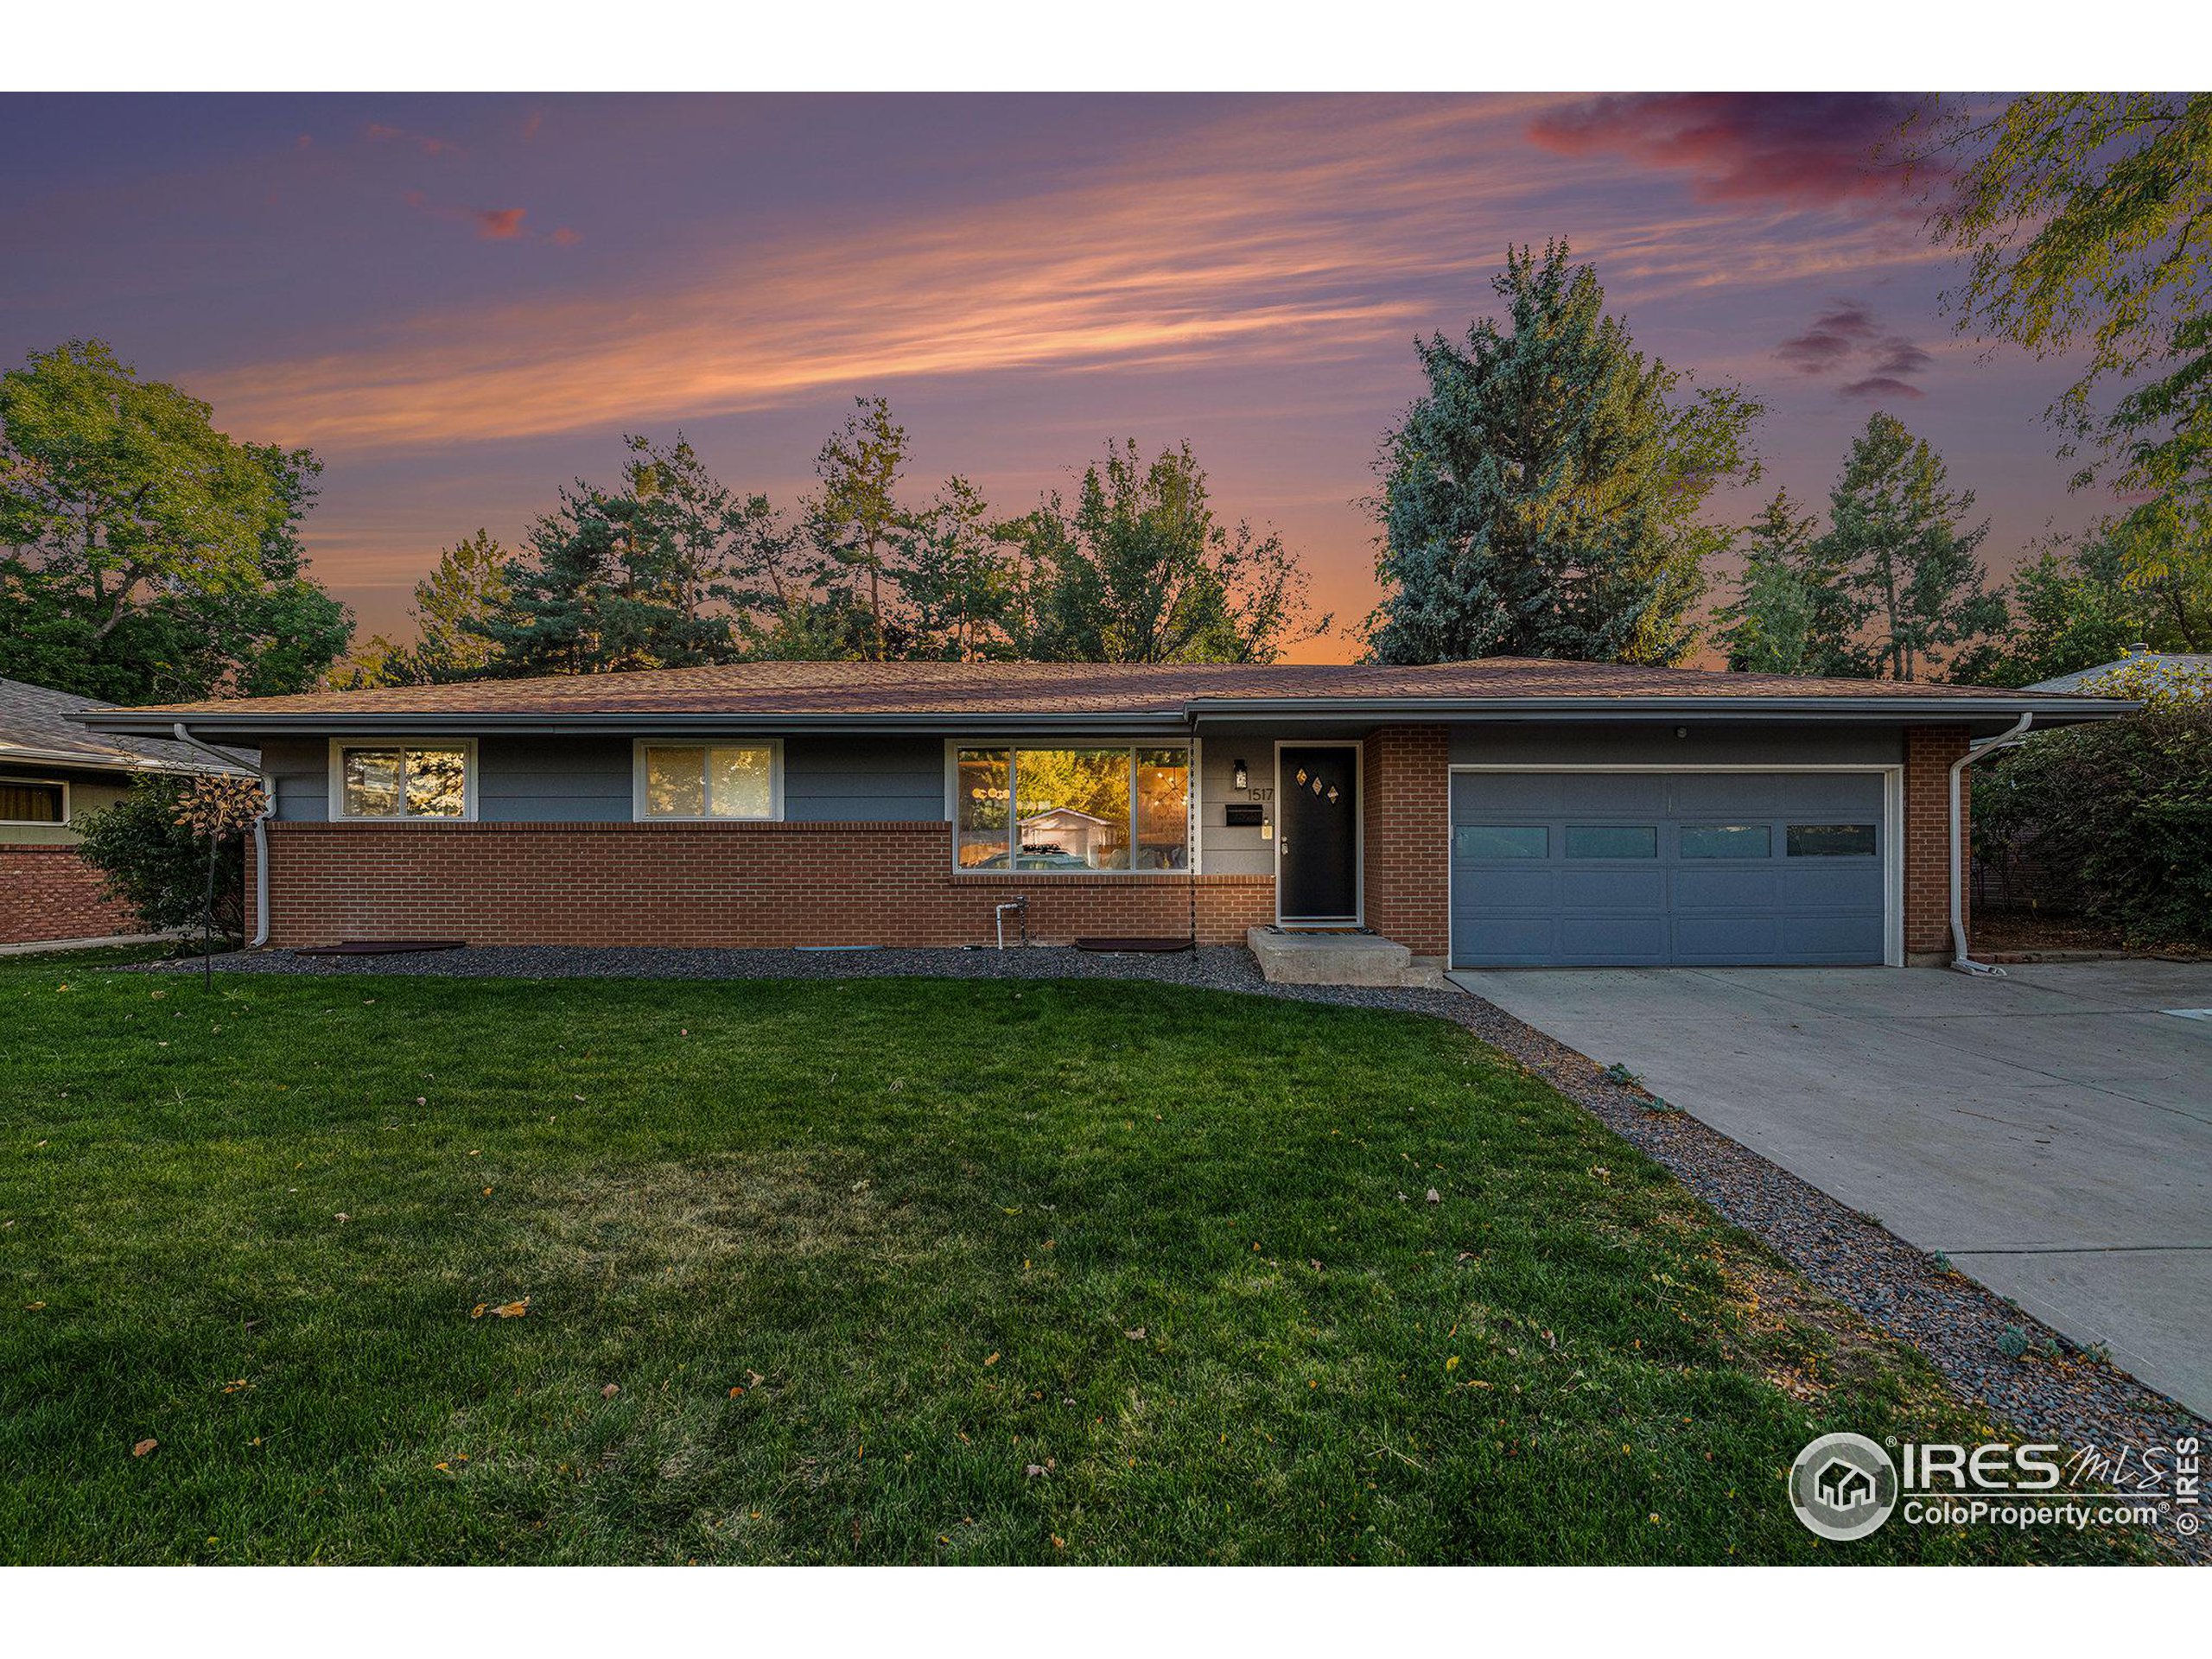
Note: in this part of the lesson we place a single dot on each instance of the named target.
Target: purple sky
(462, 302)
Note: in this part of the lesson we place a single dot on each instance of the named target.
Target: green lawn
(854, 1259)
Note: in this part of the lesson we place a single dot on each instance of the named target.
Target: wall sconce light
(1244, 775)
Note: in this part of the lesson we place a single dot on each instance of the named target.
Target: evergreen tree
(452, 610)
(855, 514)
(1542, 497)
(600, 589)
(1894, 535)
(1793, 612)
(1767, 628)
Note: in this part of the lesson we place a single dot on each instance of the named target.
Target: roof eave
(243, 720)
(1917, 709)
(80, 760)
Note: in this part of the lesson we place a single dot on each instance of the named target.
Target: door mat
(378, 947)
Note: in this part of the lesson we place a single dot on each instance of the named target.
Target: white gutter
(1960, 960)
(260, 834)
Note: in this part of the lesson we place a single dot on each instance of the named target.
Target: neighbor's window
(1612, 840)
(21, 802)
(1070, 810)
(1830, 840)
(708, 780)
(1727, 840)
(380, 780)
(1504, 840)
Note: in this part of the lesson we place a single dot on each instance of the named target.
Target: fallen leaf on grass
(1136, 1335)
(1034, 1471)
(512, 1310)
(144, 1448)
(1434, 1197)
(33, 1307)
(993, 1360)
(610, 1391)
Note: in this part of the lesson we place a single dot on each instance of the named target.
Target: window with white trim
(388, 780)
(33, 800)
(709, 782)
(1072, 811)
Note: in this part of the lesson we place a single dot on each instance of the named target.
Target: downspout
(260, 834)
(1960, 960)
(1194, 822)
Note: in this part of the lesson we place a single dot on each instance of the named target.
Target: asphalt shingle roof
(1048, 689)
(36, 723)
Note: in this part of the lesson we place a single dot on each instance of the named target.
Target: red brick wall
(1405, 771)
(49, 893)
(737, 884)
(1929, 753)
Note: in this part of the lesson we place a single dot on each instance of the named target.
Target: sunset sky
(461, 303)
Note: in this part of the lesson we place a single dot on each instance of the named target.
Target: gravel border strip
(1952, 1320)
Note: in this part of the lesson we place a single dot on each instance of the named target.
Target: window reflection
(398, 781)
(982, 783)
(721, 780)
(1072, 811)
(1074, 806)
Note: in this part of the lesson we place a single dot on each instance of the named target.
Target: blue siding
(587, 779)
(851, 779)
(553, 780)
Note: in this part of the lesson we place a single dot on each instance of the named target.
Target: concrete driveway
(2050, 1132)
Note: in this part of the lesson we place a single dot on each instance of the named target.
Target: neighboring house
(1499, 812)
(2173, 669)
(54, 773)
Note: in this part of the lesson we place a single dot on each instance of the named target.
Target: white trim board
(334, 799)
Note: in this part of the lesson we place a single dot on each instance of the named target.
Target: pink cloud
(498, 224)
(1809, 150)
(565, 237)
(378, 133)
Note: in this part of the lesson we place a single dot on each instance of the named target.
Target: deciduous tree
(143, 554)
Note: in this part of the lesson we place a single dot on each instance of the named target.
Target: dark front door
(1318, 794)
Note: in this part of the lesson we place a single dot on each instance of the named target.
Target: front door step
(1340, 959)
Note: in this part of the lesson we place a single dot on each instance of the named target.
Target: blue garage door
(1654, 870)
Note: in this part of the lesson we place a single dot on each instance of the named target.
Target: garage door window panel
(1504, 840)
(1612, 840)
(1832, 841)
(1727, 840)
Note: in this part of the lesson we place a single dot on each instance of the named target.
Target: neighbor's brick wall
(1929, 753)
(50, 892)
(1405, 775)
(745, 884)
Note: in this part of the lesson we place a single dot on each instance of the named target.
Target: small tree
(158, 860)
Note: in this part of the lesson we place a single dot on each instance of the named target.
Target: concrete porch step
(1340, 959)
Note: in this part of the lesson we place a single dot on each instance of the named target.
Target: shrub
(2122, 809)
(156, 862)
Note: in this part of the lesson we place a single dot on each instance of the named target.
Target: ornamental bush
(156, 862)
(2118, 812)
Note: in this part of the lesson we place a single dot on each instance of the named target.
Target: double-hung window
(379, 779)
(1072, 811)
(709, 782)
